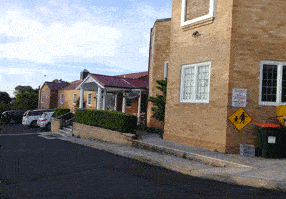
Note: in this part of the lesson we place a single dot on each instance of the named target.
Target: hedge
(61, 111)
(113, 120)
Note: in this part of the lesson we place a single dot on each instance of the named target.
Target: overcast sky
(43, 40)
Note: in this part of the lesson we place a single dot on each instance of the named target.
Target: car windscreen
(35, 113)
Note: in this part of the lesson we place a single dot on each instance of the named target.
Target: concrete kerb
(205, 174)
(211, 174)
(191, 156)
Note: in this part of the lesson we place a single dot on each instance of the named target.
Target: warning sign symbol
(240, 119)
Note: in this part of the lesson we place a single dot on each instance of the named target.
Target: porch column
(98, 98)
(115, 101)
(124, 103)
(139, 107)
(104, 100)
(81, 97)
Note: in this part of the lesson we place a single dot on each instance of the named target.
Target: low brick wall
(106, 135)
(55, 125)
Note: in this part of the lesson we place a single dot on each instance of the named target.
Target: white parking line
(20, 134)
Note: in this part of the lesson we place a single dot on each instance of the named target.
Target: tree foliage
(160, 101)
(26, 98)
(4, 97)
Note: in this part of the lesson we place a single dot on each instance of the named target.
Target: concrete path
(194, 161)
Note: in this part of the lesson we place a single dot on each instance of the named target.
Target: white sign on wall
(239, 97)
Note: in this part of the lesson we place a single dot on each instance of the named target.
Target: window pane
(269, 83)
(202, 82)
(283, 97)
(189, 84)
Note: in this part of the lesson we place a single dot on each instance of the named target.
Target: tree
(5, 98)
(26, 98)
(160, 101)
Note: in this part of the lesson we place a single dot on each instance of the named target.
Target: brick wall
(68, 99)
(106, 135)
(261, 37)
(242, 34)
(199, 124)
(158, 56)
(46, 97)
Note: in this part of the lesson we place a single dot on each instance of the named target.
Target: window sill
(198, 24)
(271, 103)
(195, 102)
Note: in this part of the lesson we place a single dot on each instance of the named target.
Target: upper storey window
(197, 10)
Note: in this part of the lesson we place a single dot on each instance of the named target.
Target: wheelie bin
(271, 141)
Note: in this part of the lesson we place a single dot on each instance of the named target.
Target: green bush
(4, 107)
(61, 111)
(112, 120)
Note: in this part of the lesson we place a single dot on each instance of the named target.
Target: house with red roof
(126, 93)
(48, 94)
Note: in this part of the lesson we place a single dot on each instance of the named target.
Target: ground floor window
(62, 98)
(89, 99)
(42, 98)
(272, 89)
(195, 83)
(74, 99)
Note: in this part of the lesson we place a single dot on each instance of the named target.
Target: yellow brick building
(222, 56)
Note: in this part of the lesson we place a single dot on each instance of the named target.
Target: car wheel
(48, 127)
(33, 124)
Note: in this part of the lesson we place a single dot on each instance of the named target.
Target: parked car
(31, 117)
(45, 120)
(12, 116)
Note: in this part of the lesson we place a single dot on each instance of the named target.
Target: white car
(45, 120)
(30, 118)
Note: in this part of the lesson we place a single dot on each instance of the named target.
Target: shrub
(112, 120)
(4, 107)
(61, 111)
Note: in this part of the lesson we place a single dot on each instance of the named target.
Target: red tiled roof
(56, 86)
(134, 75)
(120, 82)
(73, 85)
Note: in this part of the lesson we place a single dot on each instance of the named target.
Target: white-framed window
(166, 64)
(74, 98)
(42, 98)
(62, 98)
(195, 83)
(89, 99)
(272, 87)
(205, 10)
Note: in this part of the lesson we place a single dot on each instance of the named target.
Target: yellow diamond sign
(240, 119)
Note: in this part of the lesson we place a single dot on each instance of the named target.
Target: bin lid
(268, 125)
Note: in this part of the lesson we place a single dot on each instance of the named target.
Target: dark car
(12, 116)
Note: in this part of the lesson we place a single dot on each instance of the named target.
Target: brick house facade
(215, 47)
